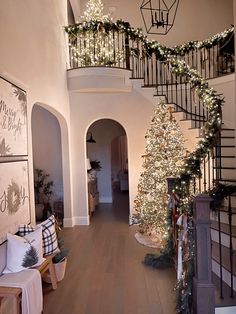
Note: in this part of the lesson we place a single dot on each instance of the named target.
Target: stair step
(232, 137)
(224, 156)
(225, 209)
(224, 228)
(224, 216)
(226, 275)
(225, 168)
(227, 300)
(226, 129)
(225, 239)
(225, 310)
(227, 180)
(228, 146)
(225, 257)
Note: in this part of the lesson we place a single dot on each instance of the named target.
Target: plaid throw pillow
(50, 243)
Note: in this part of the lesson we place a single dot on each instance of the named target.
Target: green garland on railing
(208, 43)
(151, 46)
(211, 100)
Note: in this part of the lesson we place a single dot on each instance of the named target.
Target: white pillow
(24, 252)
(50, 243)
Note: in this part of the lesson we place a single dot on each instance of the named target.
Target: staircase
(224, 164)
(156, 77)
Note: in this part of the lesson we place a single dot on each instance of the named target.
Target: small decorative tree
(43, 190)
(97, 46)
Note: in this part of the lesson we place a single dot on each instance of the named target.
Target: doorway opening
(107, 165)
(47, 163)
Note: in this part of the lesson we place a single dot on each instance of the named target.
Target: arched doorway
(47, 164)
(107, 148)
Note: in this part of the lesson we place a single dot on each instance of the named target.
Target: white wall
(195, 20)
(47, 154)
(132, 111)
(104, 131)
(33, 55)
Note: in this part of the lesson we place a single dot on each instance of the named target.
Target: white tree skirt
(146, 240)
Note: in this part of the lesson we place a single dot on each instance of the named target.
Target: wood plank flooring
(105, 274)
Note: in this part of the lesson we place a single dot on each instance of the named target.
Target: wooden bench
(14, 294)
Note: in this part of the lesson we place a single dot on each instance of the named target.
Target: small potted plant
(43, 192)
(95, 164)
(95, 167)
(59, 260)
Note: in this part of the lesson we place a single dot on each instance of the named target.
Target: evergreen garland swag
(151, 46)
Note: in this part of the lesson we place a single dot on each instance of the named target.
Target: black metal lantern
(90, 139)
(159, 15)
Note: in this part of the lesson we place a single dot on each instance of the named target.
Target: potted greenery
(59, 260)
(95, 164)
(43, 192)
(95, 167)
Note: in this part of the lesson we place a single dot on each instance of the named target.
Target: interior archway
(110, 152)
(47, 160)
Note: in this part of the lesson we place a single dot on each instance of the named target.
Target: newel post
(203, 289)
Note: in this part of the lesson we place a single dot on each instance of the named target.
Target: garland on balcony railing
(150, 45)
(208, 43)
(211, 100)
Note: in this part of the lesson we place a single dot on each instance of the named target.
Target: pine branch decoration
(30, 258)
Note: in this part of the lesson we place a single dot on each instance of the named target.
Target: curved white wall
(47, 154)
(33, 55)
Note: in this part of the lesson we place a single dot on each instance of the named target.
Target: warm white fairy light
(163, 158)
(95, 12)
(95, 46)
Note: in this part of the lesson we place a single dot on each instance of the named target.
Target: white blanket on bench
(30, 282)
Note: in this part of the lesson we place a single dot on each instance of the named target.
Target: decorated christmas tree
(163, 159)
(96, 46)
(94, 12)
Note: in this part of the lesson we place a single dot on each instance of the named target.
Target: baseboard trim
(68, 222)
(81, 220)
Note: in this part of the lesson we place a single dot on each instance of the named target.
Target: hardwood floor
(105, 274)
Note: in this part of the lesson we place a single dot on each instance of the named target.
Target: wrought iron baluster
(231, 251)
(220, 256)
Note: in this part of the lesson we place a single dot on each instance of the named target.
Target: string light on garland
(92, 45)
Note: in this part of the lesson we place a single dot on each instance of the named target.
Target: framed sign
(14, 197)
(13, 120)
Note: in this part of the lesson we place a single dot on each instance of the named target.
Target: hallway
(105, 274)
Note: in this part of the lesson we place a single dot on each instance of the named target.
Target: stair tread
(227, 180)
(222, 167)
(225, 256)
(225, 209)
(224, 228)
(227, 137)
(227, 301)
(224, 156)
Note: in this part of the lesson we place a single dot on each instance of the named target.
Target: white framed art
(14, 196)
(13, 120)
